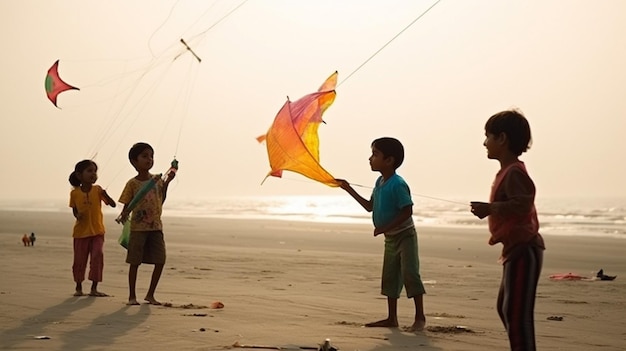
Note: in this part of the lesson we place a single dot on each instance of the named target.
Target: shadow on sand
(35, 325)
(106, 328)
(399, 340)
(102, 331)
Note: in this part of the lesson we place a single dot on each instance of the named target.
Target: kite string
(220, 20)
(389, 42)
(420, 195)
(199, 18)
(161, 26)
(130, 91)
(143, 99)
(184, 95)
(186, 110)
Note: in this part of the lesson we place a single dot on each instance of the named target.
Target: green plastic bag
(125, 236)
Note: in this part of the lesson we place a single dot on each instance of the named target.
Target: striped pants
(83, 249)
(516, 298)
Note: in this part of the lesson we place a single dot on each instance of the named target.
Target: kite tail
(264, 179)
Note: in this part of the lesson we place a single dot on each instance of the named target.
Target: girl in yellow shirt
(86, 202)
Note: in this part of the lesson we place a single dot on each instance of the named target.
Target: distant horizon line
(426, 197)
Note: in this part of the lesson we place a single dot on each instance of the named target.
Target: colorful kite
(54, 84)
(292, 140)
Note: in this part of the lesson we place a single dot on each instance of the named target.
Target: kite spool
(173, 169)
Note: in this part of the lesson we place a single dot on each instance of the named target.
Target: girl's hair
(79, 168)
(516, 128)
(390, 147)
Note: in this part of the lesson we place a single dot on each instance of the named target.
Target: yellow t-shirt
(89, 206)
(146, 216)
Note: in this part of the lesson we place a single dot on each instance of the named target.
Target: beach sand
(292, 285)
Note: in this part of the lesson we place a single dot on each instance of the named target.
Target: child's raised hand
(480, 209)
(169, 177)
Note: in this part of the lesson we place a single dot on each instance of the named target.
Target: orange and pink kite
(292, 141)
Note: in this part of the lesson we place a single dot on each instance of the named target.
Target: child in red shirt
(513, 222)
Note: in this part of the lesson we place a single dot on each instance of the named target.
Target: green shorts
(146, 247)
(401, 265)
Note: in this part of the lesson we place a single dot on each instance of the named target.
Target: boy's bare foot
(151, 300)
(385, 323)
(417, 326)
(96, 293)
(79, 293)
(132, 302)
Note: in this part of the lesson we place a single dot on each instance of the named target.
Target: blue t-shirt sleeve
(402, 193)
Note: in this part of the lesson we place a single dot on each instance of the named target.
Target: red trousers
(516, 299)
(83, 249)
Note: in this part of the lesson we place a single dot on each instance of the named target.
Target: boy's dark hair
(137, 149)
(79, 168)
(516, 128)
(390, 147)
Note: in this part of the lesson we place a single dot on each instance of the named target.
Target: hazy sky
(561, 62)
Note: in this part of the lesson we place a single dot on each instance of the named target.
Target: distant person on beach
(26, 240)
(32, 239)
(146, 243)
(513, 222)
(86, 202)
(392, 209)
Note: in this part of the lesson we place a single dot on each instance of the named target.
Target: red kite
(54, 84)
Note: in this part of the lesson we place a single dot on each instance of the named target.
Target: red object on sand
(567, 276)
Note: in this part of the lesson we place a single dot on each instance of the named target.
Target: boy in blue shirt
(392, 209)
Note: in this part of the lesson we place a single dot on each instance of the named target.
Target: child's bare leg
(420, 318)
(156, 275)
(392, 318)
(132, 281)
(79, 289)
(95, 292)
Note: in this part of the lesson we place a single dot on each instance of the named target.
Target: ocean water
(559, 216)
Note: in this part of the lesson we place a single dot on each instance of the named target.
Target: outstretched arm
(170, 177)
(367, 204)
(107, 199)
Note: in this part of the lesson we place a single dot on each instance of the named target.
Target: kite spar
(188, 49)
